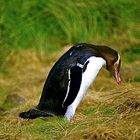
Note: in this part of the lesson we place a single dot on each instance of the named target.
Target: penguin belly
(88, 76)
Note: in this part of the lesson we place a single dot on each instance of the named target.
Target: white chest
(93, 67)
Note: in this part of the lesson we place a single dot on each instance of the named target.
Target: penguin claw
(34, 113)
(72, 120)
(28, 115)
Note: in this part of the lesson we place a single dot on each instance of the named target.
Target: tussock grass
(72, 20)
(47, 26)
(108, 111)
(31, 30)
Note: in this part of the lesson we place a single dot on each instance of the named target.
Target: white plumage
(93, 67)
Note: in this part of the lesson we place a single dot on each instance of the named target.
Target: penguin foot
(34, 113)
(69, 113)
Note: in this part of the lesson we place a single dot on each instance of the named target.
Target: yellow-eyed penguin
(70, 77)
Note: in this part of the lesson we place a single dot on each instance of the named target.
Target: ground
(109, 111)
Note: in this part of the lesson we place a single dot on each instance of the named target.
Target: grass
(34, 34)
(48, 26)
(108, 111)
(133, 53)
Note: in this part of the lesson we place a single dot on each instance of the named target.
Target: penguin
(70, 77)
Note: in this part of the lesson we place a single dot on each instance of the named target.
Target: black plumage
(55, 88)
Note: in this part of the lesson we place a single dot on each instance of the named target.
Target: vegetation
(51, 24)
(35, 33)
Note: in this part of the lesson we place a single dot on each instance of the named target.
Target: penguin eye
(119, 65)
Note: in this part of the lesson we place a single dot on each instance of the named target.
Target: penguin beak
(117, 77)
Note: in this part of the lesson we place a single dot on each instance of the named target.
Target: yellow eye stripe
(117, 62)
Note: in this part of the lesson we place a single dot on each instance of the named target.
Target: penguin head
(113, 65)
(113, 61)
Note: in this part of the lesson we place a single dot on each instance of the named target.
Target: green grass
(108, 112)
(104, 109)
(4, 91)
(45, 128)
(48, 26)
(132, 53)
(54, 22)
(137, 78)
(32, 36)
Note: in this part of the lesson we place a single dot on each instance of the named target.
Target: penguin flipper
(75, 82)
(34, 113)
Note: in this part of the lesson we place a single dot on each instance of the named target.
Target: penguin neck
(98, 62)
(108, 54)
(95, 64)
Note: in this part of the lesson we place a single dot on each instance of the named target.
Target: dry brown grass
(108, 112)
